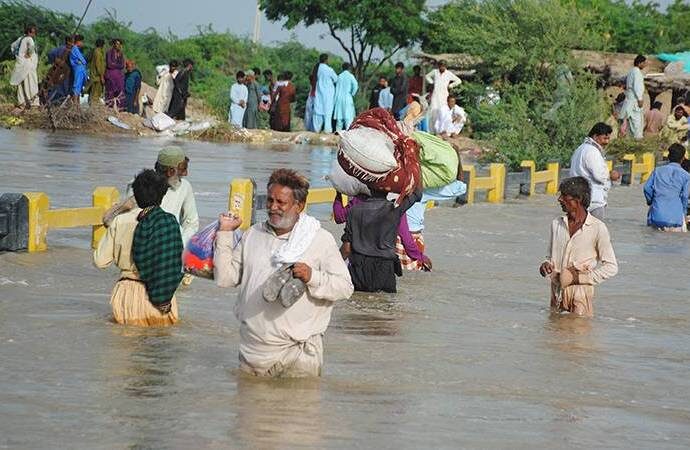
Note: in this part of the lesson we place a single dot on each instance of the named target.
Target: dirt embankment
(201, 125)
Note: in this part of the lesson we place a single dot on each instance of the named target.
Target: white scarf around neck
(300, 239)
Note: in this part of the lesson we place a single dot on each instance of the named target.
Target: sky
(183, 16)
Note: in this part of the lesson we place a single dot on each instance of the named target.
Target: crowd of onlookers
(100, 76)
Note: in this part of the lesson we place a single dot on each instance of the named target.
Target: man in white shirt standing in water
(588, 162)
(178, 201)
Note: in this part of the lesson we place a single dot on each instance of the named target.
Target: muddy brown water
(465, 357)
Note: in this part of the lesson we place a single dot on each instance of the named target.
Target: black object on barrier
(14, 222)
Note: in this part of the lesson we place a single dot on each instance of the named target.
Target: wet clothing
(79, 70)
(132, 87)
(407, 260)
(180, 202)
(399, 88)
(340, 213)
(129, 299)
(371, 229)
(97, 74)
(272, 337)
(115, 79)
(178, 102)
(666, 192)
(590, 251)
(588, 161)
(157, 251)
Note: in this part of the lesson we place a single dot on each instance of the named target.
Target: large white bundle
(161, 122)
(344, 183)
(368, 149)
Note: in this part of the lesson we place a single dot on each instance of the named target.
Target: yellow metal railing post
(320, 195)
(531, 168)
(103, 197)
(241, 199)
(648, 162)
(38, 228)
(609, 165)
(497, 173)
(552, 185)
(471, 183)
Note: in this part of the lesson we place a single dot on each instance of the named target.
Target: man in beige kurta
(579, 255)
(276, 340)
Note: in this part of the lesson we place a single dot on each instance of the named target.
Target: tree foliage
(514, 38)
(362, 28)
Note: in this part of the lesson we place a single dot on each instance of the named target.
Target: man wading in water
(580, 254)
(290, 274)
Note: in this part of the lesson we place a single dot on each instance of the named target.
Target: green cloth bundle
(437, 159)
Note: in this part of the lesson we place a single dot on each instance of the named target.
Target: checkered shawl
(157, 249)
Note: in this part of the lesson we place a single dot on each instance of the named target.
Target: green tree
(362, 28)
(516, 39)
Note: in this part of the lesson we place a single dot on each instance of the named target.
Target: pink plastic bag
(197, 257)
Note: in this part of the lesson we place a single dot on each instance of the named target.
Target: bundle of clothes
(383, 166)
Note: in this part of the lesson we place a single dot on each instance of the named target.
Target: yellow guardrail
(494, 184)
(644, 167)
(42, 218)
(548, 176)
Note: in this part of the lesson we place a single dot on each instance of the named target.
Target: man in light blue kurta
(634, 92)
(345, 90)
(325, 96)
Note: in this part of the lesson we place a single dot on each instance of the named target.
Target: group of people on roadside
(249, 100)
(104, 75)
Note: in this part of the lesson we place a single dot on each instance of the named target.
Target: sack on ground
(438, 160)
(344, 183)
(161, 122)
(369, 152)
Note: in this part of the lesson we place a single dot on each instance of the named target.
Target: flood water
(467, 356)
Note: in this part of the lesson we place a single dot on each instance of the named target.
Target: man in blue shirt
(666, 192)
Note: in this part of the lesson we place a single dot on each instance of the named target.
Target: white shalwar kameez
(634, 92)
(238, 93)
(24, 75)
(451, 121)
(442, 81)
(166, 85)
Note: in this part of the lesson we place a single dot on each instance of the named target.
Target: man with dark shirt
(398, 86)
(416, 83)
(374, 97)
(369, 241)
(178, 102)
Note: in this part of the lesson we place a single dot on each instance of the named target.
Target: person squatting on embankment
(579, 254)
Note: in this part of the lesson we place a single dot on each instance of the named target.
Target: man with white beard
(290, 273)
